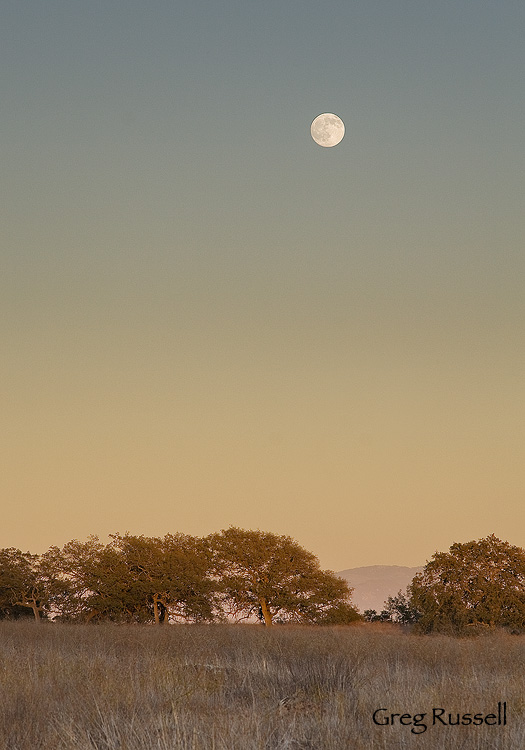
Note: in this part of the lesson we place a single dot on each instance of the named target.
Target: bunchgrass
(226, 687)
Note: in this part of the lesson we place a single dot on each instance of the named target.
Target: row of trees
(474, 586)
(234, 575)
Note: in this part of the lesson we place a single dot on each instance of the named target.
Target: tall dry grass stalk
(244, 687)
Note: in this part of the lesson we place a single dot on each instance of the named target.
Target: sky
(207, 320)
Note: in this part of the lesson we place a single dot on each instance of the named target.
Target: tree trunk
(159, 609)
(266, 612)
(33, 603)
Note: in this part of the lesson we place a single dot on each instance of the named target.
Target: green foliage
(235, 574)
(272, 576)
(15, 579)
(371, 615)
(98, 582)
(26, 585)
(400, 610)
(133, 579)
(238, 574)
(342, 613)
(169, 576)
(475, 584)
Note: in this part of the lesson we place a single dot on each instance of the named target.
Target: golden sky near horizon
(207, 320)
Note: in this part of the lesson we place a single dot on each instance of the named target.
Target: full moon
(327, 130)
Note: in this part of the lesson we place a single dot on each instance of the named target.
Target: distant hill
(373, 584)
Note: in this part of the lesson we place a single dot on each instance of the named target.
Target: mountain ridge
(373, 584)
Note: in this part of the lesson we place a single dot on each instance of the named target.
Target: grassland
(222, 687)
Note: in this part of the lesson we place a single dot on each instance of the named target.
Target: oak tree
(22, 588)
(475, 584)
(169, 575)
(98, 581)
(270, 576)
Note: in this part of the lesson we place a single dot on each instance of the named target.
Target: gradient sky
(207, 319)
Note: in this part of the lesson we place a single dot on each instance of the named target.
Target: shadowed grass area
(226, 687)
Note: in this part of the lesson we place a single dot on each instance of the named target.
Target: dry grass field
(125, 687)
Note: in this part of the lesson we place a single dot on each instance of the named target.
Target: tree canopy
(21, 587)
(273, 577)
(238, 574)
(475, 584)
(232, 575)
